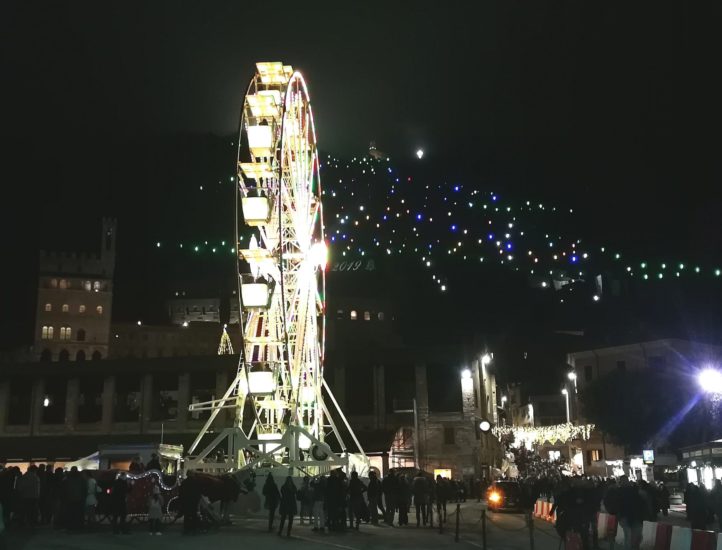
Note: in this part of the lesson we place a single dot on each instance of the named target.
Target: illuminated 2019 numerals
(353, 265)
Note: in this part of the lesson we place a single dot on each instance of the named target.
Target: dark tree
(646, 408)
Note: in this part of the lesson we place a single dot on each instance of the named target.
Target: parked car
(504, 495)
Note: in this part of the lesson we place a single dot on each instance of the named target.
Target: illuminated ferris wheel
(277, 396)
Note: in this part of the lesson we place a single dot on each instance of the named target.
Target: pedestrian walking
(390, 487)
(305, 497)
(27, 489)
(663, 495)
(118, 503)
(374, 494)
(288, 505)
(91, 498)
(420, 491)
(272, 496)
(356, 490)
(696, 500)
(404, 502)
(189, 495)
(318, 490)
(442, 496)
(155, 512)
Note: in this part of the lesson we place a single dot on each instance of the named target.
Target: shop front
(703, 463)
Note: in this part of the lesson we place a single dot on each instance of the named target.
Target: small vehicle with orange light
(504, 495)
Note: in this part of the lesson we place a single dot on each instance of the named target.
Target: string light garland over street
(530, 435)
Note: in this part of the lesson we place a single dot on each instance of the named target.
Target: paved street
(504, 531)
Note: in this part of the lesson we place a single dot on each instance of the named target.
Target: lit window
(96, 286)
(593, 455)
(99, 309)
(63, 283)
(381, 316)
(354, 315)
(66, 308)
(47, 333)
(53, 283)
(65, 333)
(81, 308)
(48, 307)
(367, 315)
(86, 286)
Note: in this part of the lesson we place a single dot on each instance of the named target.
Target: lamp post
(565, 393)
(572, 376)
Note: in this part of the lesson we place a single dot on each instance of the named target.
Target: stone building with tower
(74, 300)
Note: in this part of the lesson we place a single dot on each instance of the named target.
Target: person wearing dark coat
(118, 503)
(374, 495)
(442, 496)
(153, 463)
(696, 500)
(288, 505)
(663, 495)
(272, 496)
(356, 505)
(318, 487)
(404, 501)
(390, 487)
(189, 495)
(74, 493)
(420, 490)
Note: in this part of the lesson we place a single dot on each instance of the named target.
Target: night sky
(612, 109)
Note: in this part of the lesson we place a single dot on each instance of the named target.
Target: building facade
(672, 353)
(52, 414)
(184, 310)
(74, 301)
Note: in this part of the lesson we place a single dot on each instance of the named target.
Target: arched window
(80, 356)
(63, 284)
(81, 335)
(63, 356)
(99, 309)
(46, 356)
(53, 283)
(47, 333)
(86, 286)
(65, 333)
(48, 307)
(81, 308)
(65, 308)
(367, 315)
(380, 315)
(354, 315)
(96, 286)
(97, 356)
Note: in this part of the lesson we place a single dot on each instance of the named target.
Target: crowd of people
(43, 495)
(336, 502)
(577, 501)
(68, 500)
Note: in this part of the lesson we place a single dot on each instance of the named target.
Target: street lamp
(565, 393)
(710, 380)
(467, 384)
(573, 377)
(485, 359)
(503, 401)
